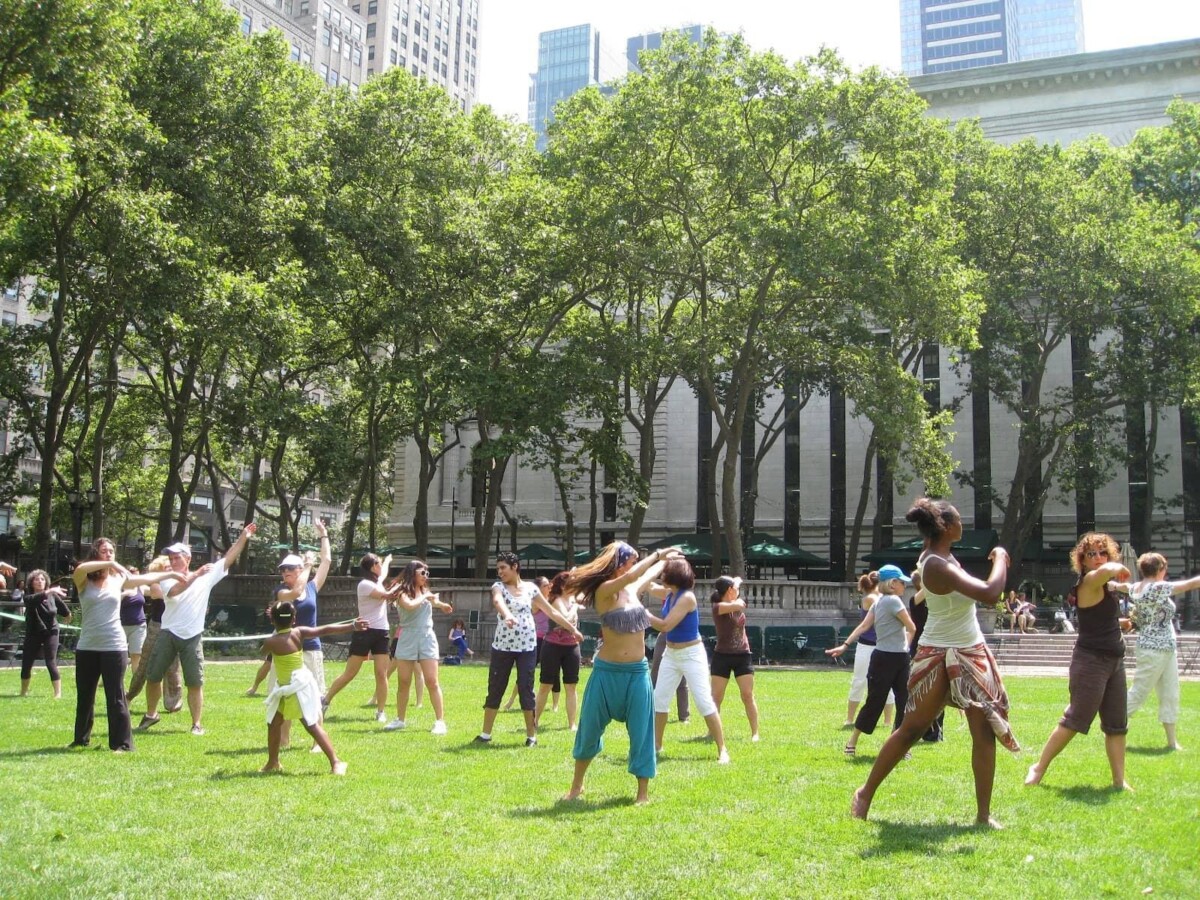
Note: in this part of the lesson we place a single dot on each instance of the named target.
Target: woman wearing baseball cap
(888, 669)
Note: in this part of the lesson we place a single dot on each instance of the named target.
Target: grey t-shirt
(100, 608)
(889, 630)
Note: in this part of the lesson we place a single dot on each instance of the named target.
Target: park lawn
(421, 816)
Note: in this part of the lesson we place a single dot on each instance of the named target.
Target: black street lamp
(81, 505)
(453, 521)
(141, 551)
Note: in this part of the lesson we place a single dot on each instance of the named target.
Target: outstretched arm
(306, 632)
(544, 605)
(639, 573)
(1182, 587)
(867, 622)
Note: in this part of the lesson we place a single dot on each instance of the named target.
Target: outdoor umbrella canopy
(763, 549)
(974, 545)
(540, 551)
(694, 546)
(410, 551)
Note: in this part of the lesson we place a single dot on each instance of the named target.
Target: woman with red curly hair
(1097, 675)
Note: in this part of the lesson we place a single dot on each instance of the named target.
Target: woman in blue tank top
(684, 656)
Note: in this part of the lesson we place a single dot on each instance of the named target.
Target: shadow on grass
(1149, 751)
(1087, 794)
(563, 808)
(918, 838)
(254, 774)
(241, 751)
(43, 751)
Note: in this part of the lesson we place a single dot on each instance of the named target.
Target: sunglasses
(288, 568)
(1092, 553)
(422, 571)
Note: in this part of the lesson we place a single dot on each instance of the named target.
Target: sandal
(849, 750)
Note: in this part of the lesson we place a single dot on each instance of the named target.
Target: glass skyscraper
(948, 35)
(569, 59)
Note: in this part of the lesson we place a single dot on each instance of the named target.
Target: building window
(337, 44)
(357, 56)
(8, 319)
(10, 292)
(324, 70)
(396, 33)
(326, 36)
(326, 11)
(357, 32)
(307, 58)
(247, 24)
(306, 517)
(295, 53)
(416, 29)
(373, 8)
(370, 30)
(392, 56)
(371, 53)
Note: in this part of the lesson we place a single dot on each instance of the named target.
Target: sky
(865, 32)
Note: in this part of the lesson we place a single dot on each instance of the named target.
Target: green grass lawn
(420, 816)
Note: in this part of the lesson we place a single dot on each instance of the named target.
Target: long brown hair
(408, 578)
(586, 579)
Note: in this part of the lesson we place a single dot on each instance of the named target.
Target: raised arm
(639, 574)
(84, 569)
(291, 594)
(943, 578)
(326, 558)
(232, 554)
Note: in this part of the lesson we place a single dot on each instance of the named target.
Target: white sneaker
(394, 725)
(439, 727)
(381, 716)
(754, 739)
(723, 759)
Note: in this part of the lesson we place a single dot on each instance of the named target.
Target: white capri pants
(1157, 670)
(858, 681)
(690, 663)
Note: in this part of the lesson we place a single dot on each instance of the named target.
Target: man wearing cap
(182, 625)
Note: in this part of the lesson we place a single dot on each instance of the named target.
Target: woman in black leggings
(43, 605)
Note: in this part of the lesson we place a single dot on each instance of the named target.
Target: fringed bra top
(626, 619)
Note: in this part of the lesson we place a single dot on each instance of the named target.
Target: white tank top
(952, 621)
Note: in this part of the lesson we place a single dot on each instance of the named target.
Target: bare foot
(1033, 776)
(1175, 747)
(269, 768)
(573, 794)
(723, 757)
(1123, 786)
(641, 800)
(858, 806)
(339, 768)
(989, 822)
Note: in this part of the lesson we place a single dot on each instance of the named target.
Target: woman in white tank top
(953, 664)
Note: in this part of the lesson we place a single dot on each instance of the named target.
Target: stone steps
(1016, 651)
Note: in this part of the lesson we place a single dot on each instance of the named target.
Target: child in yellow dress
(296, 695)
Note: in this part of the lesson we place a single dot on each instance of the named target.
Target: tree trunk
(864, 493)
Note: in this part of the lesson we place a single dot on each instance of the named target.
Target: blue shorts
(619, 691)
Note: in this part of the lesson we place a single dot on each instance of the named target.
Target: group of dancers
(922, 657)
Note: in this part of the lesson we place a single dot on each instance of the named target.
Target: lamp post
(453, 522)
(1189, 544)
(81, 505)
(141, 551)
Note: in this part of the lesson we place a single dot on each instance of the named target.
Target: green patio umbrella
(411, 551)
(695, 546)
(540, 552)
(766, 550)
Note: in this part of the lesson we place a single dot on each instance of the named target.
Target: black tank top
(1100, 626)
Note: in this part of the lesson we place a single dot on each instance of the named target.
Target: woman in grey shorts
(416, 644)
